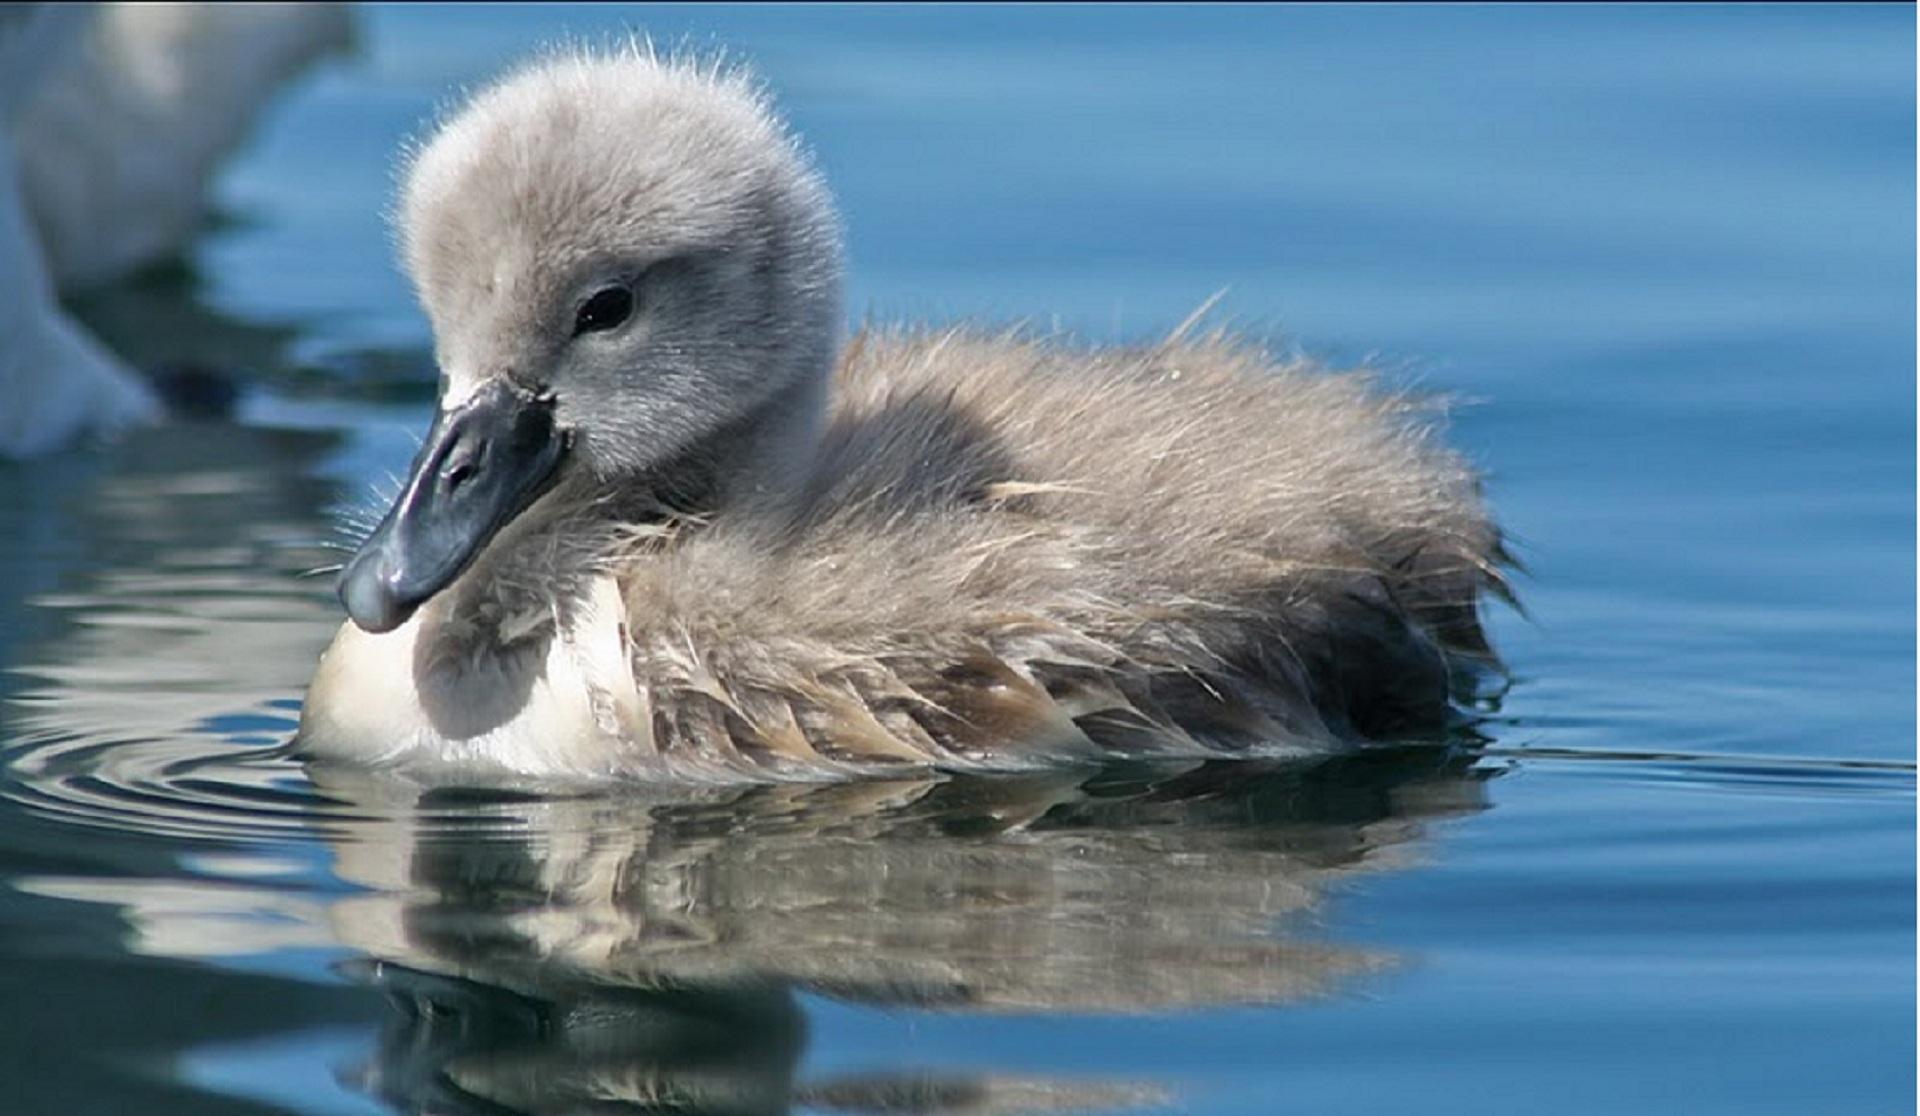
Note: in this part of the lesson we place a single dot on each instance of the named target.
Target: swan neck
(776, 446)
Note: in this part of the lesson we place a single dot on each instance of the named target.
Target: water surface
(1662, 255)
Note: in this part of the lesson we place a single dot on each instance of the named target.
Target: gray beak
(483, 463)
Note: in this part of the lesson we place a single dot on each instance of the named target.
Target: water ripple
(1727, 771)
(183, 788)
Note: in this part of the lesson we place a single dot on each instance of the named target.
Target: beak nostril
(458, 474)
(461, 463)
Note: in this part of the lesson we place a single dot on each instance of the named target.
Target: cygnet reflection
(623, 955)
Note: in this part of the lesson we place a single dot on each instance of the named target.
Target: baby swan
(662, 526)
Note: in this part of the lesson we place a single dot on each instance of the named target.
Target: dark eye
(608, 307)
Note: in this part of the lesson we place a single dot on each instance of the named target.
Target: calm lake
(1663, 257)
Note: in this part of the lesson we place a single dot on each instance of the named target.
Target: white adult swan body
(665, 524)
(112, 121)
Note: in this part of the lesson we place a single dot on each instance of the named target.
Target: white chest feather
(561, 703)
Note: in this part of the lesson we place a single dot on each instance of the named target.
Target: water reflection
(171, 628)
(543, 952)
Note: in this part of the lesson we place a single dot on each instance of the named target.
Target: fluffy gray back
(1011, 547)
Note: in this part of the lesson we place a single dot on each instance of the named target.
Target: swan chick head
(640, 236)
(627, 262)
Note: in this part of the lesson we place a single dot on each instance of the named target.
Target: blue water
(1662, 256)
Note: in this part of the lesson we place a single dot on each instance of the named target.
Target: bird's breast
(450, 700)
